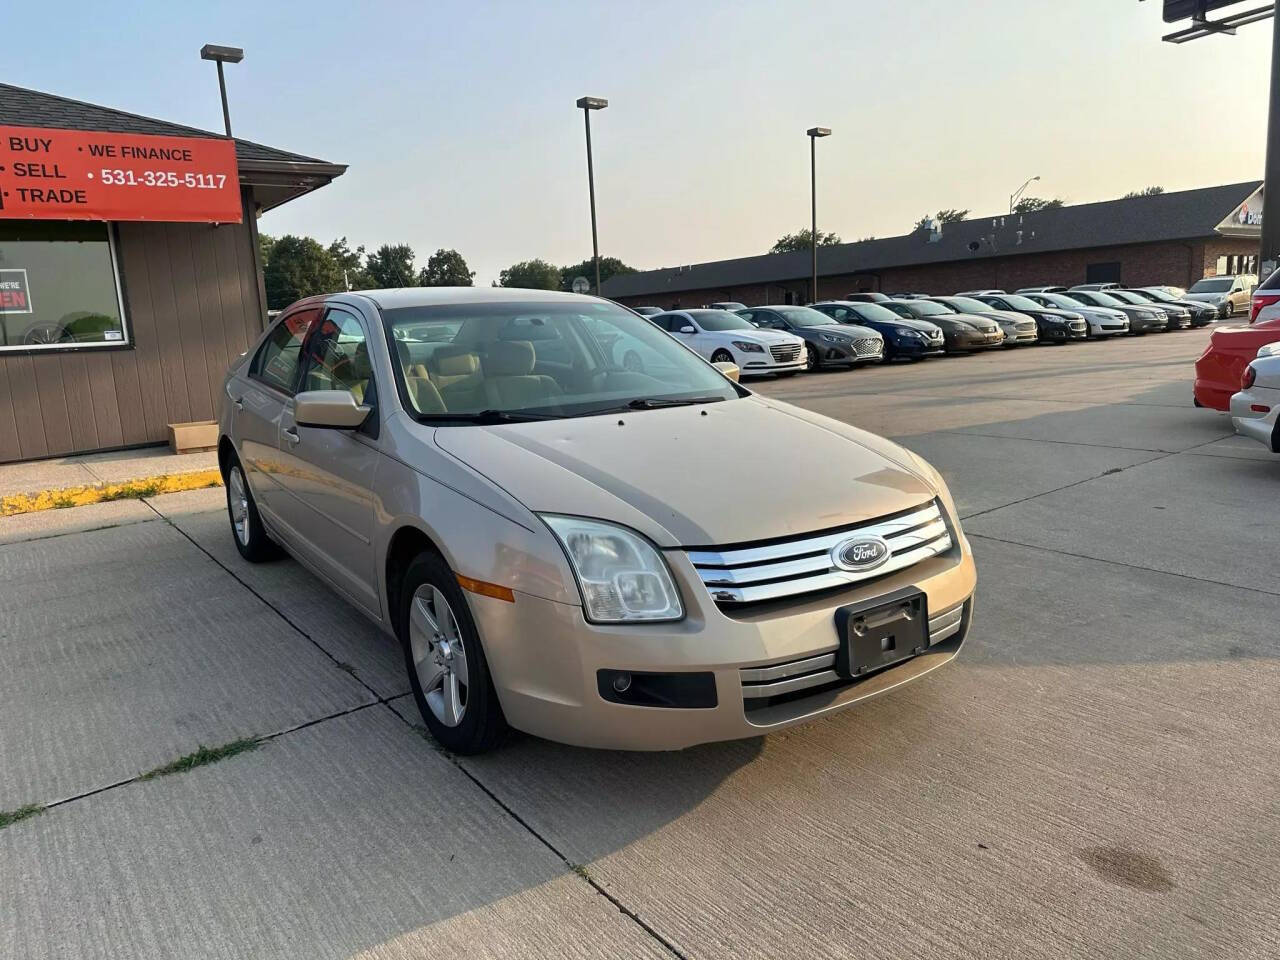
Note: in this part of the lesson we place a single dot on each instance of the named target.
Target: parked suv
(722, 336)
(827, 341)
(580, 551)
(1229, 293)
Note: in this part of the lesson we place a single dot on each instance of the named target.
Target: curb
(19, 503)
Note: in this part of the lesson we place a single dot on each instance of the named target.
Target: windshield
(1212, 285)
(805, 316)
(1157, 295)
(873, 311)
(1057, 300)
(1020, 303)
(484, 361)
(921, 308)
(1097, 298)
(968, 305)
(717, 320)
(1128, 297)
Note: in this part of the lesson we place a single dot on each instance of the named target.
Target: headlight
(906, 332)
(830, 339)
(748, 347)
(622, 576)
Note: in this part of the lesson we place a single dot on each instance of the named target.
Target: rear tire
(247, 530)
(448, 672)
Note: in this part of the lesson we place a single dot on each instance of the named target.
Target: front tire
(722, 356)
(246, 524)
(448, 672)
(1231, 309)
(811, 361)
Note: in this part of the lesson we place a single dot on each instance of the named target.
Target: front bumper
(967, 342)
(846, 353)
(545, 658)
(753, 363)
(915, 348)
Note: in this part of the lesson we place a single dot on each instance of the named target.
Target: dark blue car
(913, 339)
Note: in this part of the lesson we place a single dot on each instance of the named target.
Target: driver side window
(338, 357)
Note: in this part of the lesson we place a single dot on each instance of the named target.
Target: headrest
(457, 362)
(510, 358)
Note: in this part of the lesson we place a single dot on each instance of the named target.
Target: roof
(436, 296)
(21, 107)
(1179, 215)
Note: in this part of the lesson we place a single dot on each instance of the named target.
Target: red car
(1230, 349)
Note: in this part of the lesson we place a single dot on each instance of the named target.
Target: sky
(458, 124)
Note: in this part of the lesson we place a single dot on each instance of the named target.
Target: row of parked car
(869, 327)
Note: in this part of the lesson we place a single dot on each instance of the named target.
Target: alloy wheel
(238, 503)
(439, 657)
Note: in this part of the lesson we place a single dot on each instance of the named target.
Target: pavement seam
(1123, 563)
(965, 432)
(385, 701)
(575, 868)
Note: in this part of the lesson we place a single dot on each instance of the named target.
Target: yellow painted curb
(129, 490)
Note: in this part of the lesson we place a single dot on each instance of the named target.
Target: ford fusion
(547, 532)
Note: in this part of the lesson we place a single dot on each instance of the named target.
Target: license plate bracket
(881, 632)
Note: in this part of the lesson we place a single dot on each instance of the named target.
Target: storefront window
(59, 287)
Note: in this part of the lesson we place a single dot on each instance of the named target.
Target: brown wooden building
(1172, 238)
(130, 326)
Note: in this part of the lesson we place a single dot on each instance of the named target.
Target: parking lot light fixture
(1013, 197)
(586, 105)
(220, 55)
(814, 133)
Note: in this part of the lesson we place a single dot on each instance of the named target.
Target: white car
(720, 336)
(1256, 408)
(1103, 321)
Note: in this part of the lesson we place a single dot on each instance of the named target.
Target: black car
(963, 334)
(867, 296)
(1201, 313)
(1053, 325)
(827, 341)
(912, 339)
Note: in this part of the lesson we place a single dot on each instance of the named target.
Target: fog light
(622, 682)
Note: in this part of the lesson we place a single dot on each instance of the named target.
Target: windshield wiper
(505, 416)
(654, 403)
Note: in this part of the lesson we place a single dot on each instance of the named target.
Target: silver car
(630, 558)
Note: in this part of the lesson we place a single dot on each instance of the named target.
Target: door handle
(292, 435)
(238, 402)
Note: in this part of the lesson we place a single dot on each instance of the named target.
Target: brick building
(1171, 238)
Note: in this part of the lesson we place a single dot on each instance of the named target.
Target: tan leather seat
(422, 392)
(510, 383)
(450, 365)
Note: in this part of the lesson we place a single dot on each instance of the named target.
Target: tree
(350, 264)
(298, 267)
(391, 266)
(1032, 204)
(265, 243)
(531, 274)
(950, 215)
(609, 267)
(802, 240)
(1144, 192)
(446, 268)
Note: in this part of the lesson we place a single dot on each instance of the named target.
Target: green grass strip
(203, 756)
(8, 817)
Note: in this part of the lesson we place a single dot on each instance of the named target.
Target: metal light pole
(814, 133)
(221, 55)
(587, 104)
(1269, 248)
(1013, 197)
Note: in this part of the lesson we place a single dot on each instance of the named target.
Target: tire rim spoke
(439, 656)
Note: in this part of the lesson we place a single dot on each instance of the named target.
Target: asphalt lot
(1094, 777)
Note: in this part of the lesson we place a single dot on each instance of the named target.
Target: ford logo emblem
(859, 554)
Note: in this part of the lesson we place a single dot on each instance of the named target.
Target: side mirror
(729, 369)
(330, 409)
(687, 329)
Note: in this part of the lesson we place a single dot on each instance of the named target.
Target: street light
(1013, 197)
(221, 55)
(586, 105)
(814, 133)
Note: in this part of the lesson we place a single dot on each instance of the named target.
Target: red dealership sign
(51, 174)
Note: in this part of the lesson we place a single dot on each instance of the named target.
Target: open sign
(15, 294)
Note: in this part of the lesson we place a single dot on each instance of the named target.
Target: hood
(1059, 313)
(762, 337)
(1102, 313)
(1002, 316)
(1205, 297)
(677, 475)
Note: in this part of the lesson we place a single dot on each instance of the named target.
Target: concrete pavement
(1094, 777)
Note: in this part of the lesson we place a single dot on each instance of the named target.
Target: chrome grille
(751, 573)
(785, 353)
(820, 669)
(868, 347)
